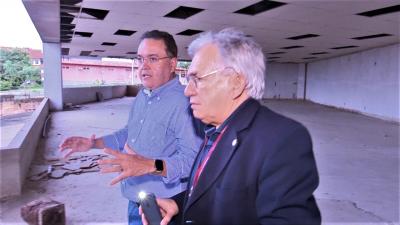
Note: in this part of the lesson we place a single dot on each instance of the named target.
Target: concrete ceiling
(334, 24)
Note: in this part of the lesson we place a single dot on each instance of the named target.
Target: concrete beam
(52, 75)
(301, 81)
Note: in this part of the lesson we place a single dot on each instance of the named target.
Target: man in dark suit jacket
(255, 166)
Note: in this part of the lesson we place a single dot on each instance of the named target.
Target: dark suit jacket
(267, 177)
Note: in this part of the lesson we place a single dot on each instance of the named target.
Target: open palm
(76, 144)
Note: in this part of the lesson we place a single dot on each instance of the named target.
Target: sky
(16, 27)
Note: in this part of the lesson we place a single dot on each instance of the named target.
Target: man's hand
(76, 144)
(128, 165)
(168, 208)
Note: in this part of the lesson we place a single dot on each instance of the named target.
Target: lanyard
(203, 164)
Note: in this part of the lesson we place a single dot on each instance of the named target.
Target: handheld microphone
(150, 208)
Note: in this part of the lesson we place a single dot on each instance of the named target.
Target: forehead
(205, 58)
(151, 46)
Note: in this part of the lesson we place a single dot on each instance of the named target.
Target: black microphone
(150, 208)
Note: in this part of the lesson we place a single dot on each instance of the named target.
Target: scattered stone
(58, 164)
(44, 212)
(91, 170)
(75, 158)
(70, 106)
(87, 165)
(72, 166)
(49, 169)
(78, 171)
(58, 174)
(95, 163)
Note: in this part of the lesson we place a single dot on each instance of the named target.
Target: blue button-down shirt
(160, 126)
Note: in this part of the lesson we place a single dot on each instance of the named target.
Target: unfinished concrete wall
(281, 80)
(366, 82)
(88, 94)
(16, 158)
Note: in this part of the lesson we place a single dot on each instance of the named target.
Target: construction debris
(44, 212)
(59, 169)
(70, 107)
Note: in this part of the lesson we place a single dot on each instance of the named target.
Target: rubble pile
(58, 169)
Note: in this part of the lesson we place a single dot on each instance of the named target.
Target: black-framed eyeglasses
(139, 60)
(196, 79)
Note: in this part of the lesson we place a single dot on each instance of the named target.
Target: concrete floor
(357, 157)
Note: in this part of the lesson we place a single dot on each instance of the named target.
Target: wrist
(158, 166)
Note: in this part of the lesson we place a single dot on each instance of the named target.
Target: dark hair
(169, 41)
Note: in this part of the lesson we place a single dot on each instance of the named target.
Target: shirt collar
(173, 82)
(210, 130)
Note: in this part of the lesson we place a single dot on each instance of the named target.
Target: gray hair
(240, 52)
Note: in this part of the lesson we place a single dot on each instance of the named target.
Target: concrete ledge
(82, 95)
(16, 158)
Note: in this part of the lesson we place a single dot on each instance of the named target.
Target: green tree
(16, 68)
(184, 64)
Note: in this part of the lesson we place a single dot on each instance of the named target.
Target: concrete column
(52, 75)
(301, 81)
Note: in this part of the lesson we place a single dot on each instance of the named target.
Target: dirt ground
(19, 106)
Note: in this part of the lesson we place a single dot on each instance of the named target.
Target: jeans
(133, 214)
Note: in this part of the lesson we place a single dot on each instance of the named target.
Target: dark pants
(133, 214)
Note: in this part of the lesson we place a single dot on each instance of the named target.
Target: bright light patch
(142, 195)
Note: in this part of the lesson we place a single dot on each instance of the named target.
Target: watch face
(159, 165)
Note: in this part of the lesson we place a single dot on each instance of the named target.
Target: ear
(238, 85)
(174, 62)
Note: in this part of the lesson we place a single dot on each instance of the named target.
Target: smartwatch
(159, 165)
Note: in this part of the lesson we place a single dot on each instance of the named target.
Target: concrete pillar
(52, 75)
(301, 81)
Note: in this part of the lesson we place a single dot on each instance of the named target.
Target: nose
(190, 90)
(144, 64)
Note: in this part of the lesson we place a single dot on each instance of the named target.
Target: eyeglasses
(197, 79)
(150, 59)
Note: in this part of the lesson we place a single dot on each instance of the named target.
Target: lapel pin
(234, 142)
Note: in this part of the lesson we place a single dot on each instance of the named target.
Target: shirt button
(133, 140)
(141, 121)
(158, 98)
(149, 103)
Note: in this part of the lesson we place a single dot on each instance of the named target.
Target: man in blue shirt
(160, 137)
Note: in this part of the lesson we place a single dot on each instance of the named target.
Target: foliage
(5, 85)
(16, 70)
(184, 64)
